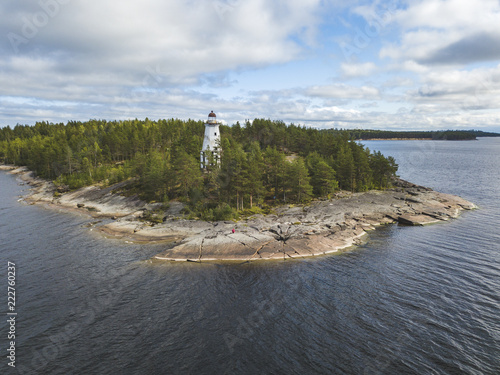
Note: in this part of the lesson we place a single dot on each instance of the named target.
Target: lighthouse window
(215, 133)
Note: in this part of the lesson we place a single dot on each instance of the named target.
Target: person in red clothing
(233, 230)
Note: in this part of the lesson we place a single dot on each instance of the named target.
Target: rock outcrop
(293, 231)
(320, 228)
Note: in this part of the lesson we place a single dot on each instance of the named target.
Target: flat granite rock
(417, 219)
(323, 227)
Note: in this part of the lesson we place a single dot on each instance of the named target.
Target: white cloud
(342, 91)
(142, 57)
(447, 32)
(351, 70)
(459, 89)
(185, 39)
(447, 14)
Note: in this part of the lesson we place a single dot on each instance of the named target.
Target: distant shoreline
(323, 227)
(413, 139)
(421, 135)
(395, 139)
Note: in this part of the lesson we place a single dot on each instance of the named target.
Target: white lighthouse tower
(210, 151)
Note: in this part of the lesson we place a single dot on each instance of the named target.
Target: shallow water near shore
(411, 300)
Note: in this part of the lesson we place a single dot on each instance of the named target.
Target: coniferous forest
(264, 162)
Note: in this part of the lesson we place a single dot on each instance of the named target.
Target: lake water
(412, 300)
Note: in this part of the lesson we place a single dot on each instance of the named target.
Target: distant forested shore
(445, 135)
(264, 162)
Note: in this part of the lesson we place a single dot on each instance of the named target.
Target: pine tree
(153, 178)
(254, 171)
(233, 176)
(185, 173)
(275, 172)
(362, 170)
(298, 181)
(322, 175)
(324, 181)
(345, 171)
(383, 169)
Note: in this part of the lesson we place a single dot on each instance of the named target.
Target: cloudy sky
(420, 64)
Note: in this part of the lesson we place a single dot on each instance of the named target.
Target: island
(209, 191)
(291, 231)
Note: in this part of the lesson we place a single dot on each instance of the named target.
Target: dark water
(410, 301)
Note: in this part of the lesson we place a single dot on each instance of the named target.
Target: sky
(394, 65)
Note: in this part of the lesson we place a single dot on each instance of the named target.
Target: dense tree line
(451, 135)
(264, 162)
(480, 133)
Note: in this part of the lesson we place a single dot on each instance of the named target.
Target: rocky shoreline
(320, 228)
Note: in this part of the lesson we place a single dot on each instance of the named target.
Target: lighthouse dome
(212, 118)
